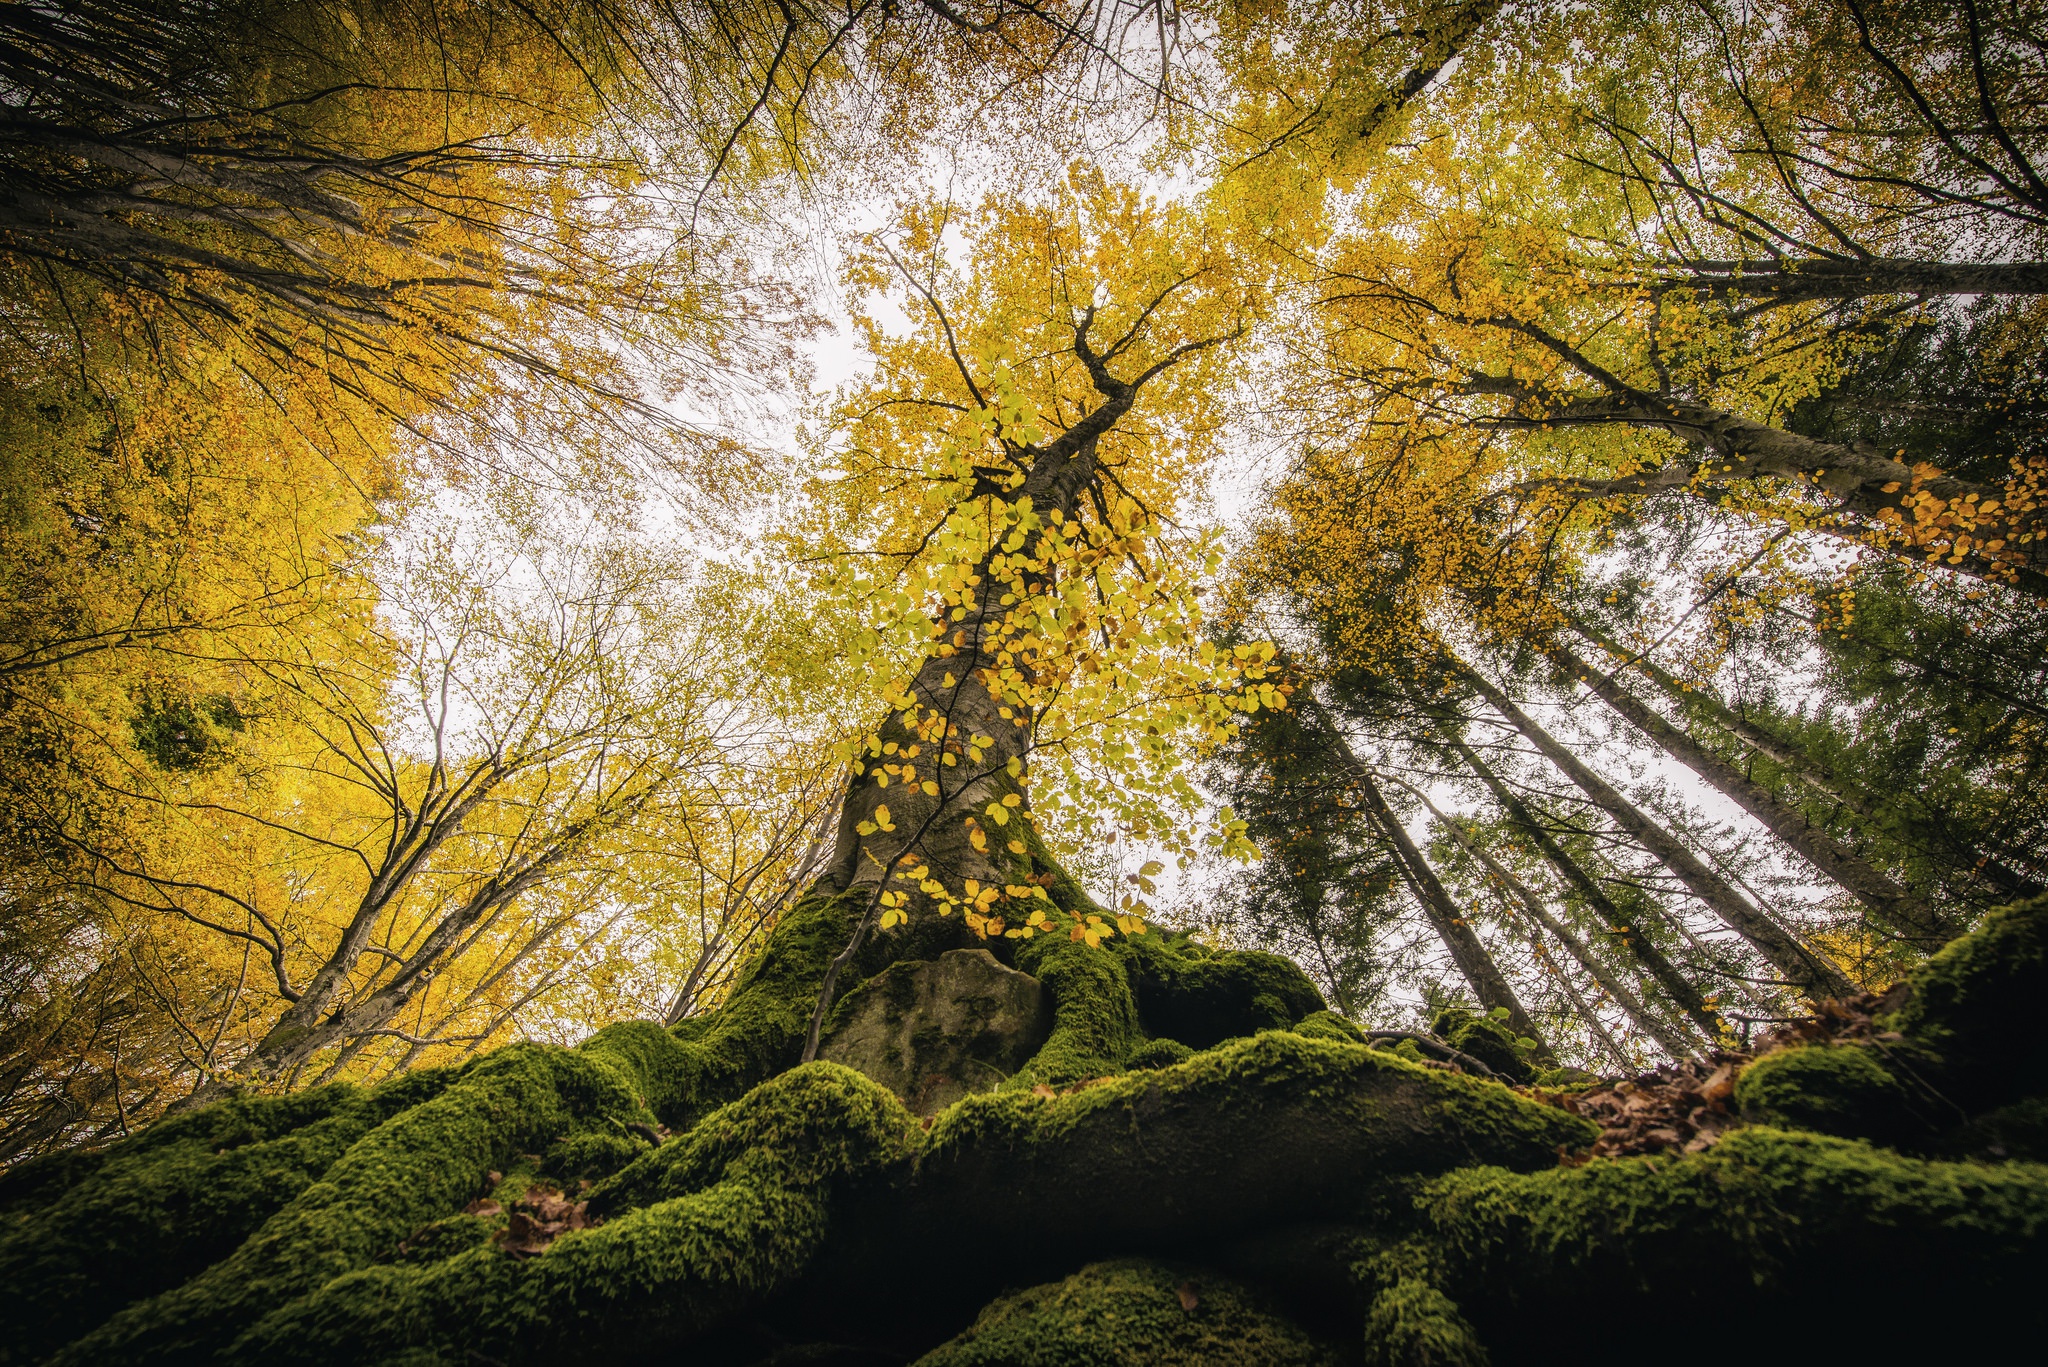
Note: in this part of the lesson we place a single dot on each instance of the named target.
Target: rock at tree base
(933, 1031)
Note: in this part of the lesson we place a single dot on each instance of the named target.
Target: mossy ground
(1193, 1111)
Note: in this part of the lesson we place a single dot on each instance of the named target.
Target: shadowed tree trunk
(1445, 916)
(1905, 912)
(1643, 1018)
(1803, 968)
(1681, 989)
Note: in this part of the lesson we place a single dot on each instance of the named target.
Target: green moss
(1413, 1324)
(1094, 1015)
(1978, 1004)
(759, 1031)
(1844, 1089)
(1242, 1136)
(708, 1223)
(1202, 996)
(419, 1165)
(1135, 1313)
(1158, 1053)
(1490, 1041)
(1791, 1235)
(1329, 1025)
(181, 1195)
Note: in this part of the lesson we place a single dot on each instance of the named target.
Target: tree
(1049, 384)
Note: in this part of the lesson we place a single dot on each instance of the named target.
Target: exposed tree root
(1317, 1198)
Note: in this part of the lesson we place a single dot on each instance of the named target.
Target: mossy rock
(1488, 1040)
(1201, 996)
(1329, 1025)
(1790, 1236)
(1843, 1089)
(1979, 1004)
(1132, 1313)
(935, 1030)
(1158, 1053)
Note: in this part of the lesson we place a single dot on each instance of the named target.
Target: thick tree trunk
(1788, 281)
(1679, 988)
(1904, 912)
(1926, 514)
(1804, 969)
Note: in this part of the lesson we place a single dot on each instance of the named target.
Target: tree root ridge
(1315, 1198)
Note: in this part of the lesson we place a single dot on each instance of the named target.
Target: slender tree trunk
(1804, 969)
(1893, 906)
(1790, 281)
(1787, 756)
(1488, 983)
(1681, 989)
(1674, 1043)
(1772, 748)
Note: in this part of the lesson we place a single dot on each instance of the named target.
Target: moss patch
(1490, 1041)
(1842, 1089)
(1978, 1004)
(707, 1224)
(1201, 996)
(183, 1194)
(1792, 1235)
(1132, 1313)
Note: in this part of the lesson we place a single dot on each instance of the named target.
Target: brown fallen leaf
(538, 1219)
(1042, 1090)
(483, 1205)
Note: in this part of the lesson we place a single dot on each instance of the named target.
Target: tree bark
(1653, 961)
(1674, 1043)
(1958, 521)
(1488, 983)
(1904, 912)
(1804, 969)
(1791, 281)
(1788, 756)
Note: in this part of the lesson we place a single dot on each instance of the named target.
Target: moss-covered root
(1161, 996)
(178, 1197)
(711, 1222)
(1265, 1131)
(1131, 1314)
(1095, 1013)
(712, 1059)
(1781, 1237)
(423, 1163)
(1977, 1004)
(1201, 996)
(1964, 1041)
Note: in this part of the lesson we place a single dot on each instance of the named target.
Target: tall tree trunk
(1803, 968)
(1786, 755)
(1645, 1020)
(1899, 909)
(1683, 992)
(944, 758)
(1488, 983)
